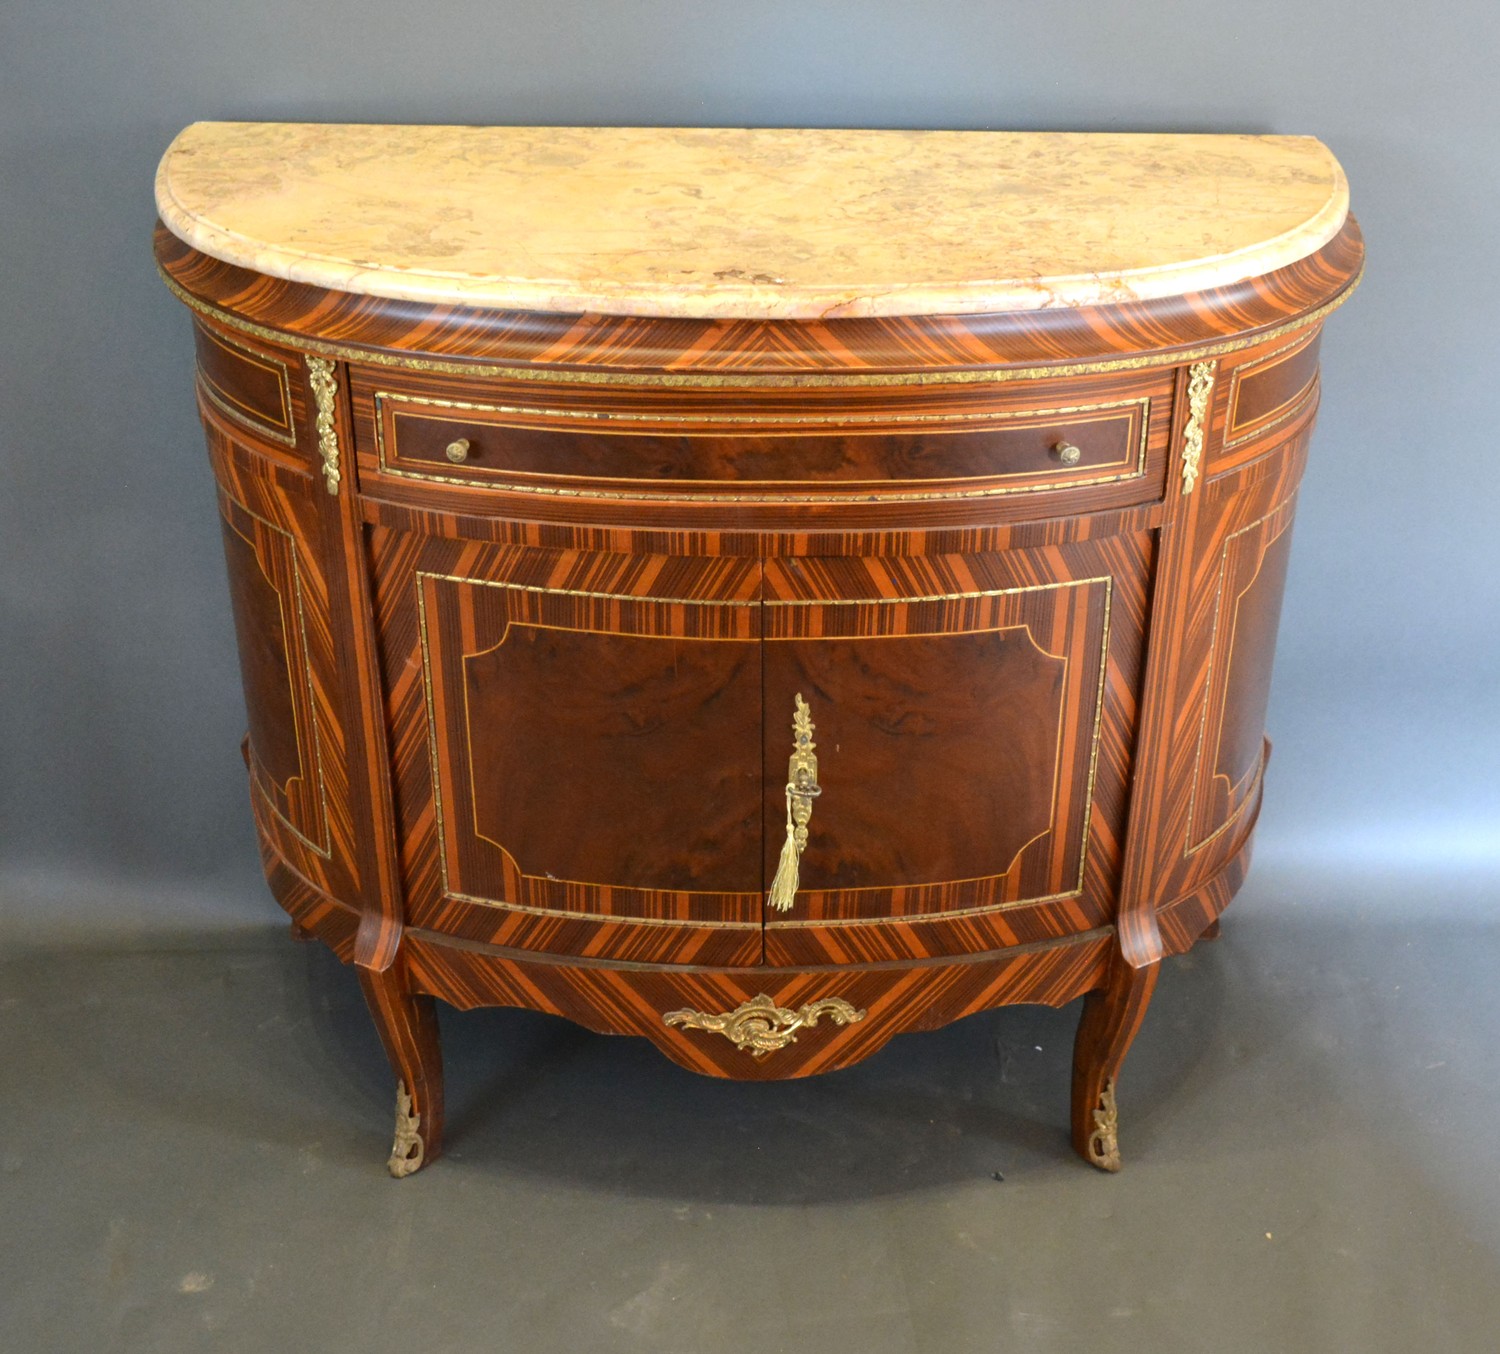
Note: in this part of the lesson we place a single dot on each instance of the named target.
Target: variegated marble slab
(748, 223)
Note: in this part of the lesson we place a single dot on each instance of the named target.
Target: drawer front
(483, 444)
(1268, 395)
(1267, 392)
(252, 388)
(683, 446)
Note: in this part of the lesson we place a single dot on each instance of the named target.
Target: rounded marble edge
(733, 300)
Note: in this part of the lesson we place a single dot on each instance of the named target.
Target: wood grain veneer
(520, 711)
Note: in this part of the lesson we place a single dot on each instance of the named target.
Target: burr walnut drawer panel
(517, 441)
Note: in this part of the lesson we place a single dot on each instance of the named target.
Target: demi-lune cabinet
(764, 591)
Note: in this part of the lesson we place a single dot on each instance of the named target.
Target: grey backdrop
(122, 802)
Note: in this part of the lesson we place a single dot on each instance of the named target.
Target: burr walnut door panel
(972, 719)
(578, 744)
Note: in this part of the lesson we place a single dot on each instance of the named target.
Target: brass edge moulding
(542, 416)
(760, 1026)
(487, 368)
(1200, 389)
(801, 789)
(320, 374)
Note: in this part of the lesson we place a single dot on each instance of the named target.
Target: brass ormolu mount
(761, 1026)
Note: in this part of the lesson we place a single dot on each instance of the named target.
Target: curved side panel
(1230, 756)
(1225, 594)
(266, 591)
(284, 607)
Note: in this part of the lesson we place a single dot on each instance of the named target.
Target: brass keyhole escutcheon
(457, 451)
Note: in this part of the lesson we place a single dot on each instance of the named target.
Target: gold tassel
(801, 789)
(784, 885)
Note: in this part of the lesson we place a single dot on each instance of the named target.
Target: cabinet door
(578, 742)
(972, 721)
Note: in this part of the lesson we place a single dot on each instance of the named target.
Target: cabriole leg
(1111, 1016)
(407, 1023)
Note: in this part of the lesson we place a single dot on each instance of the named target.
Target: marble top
(748, 223)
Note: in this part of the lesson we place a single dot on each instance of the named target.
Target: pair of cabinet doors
(591, 750)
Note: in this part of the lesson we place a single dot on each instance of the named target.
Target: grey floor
(192, 1139)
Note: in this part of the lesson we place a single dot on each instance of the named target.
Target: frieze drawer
(409, 436)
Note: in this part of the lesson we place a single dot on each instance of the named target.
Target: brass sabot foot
(408, 1150)
(1104, 1141)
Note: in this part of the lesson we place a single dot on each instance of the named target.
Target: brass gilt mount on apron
(576, 481)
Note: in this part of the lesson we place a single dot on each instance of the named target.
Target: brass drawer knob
(1067, 453)
(457, 451)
